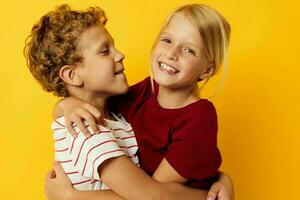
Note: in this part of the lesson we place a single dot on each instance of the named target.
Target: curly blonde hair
(53, 43)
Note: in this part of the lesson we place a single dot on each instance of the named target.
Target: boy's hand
(222, 189)
(76, 111)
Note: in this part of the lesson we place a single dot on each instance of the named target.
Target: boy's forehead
(94, 36)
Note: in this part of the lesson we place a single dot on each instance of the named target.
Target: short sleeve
(193, 151)
(88, 153)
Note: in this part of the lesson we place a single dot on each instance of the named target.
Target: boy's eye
(191, 51)
(104, 51)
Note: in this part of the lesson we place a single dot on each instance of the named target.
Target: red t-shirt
(186, 137)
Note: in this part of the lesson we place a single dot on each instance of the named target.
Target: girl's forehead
(181, 27)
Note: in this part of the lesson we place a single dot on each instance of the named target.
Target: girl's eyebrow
(193, 45)
(166, 33)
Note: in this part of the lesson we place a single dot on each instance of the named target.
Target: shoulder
(195, 114)
(142, 85)
(198, 121)
(58, 124)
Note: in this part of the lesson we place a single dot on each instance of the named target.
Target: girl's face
(177, 59)
(101, 68)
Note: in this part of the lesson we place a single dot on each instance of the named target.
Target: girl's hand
(76, 111)
(58, 185)
(222, 189)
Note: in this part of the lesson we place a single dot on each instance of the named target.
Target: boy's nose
(119, 57)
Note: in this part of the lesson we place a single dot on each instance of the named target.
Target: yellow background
(258, 108)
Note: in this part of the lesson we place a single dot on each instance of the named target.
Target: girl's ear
(69, 75)
(207, 73)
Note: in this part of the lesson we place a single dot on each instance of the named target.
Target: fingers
(93, 110)
(69, 126)
(213, 192)
(50, 175)
(96, 114)
(79, 123)
(86, 115)
(83, 112)
(58, 169)
(211, 196)
(61, 175)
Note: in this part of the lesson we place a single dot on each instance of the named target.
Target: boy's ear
(69, 75)
(208, 73)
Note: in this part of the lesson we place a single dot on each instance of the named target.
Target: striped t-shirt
(81, 156)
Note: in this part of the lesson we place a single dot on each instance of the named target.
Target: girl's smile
(177, 58)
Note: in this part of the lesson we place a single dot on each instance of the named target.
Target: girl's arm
(222, 189)
(123, 177)
(75, 110)
(59, 187)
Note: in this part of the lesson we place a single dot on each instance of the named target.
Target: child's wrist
(71, 194)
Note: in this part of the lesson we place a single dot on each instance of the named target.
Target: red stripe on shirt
(77, 183)
(76, 172)
(124, 138)
(59, 123)
(84, 142)
(73, 143)
(125, 147)
(98, 132)
(59, 139)
(64, 161)
(102, 155)
(56, 129)
(86, 158)
(132, 146)
(121, 129)
(61, 150)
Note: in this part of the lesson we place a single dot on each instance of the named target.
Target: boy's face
(101, 68)
(177, 59)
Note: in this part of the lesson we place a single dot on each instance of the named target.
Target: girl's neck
(176, 98)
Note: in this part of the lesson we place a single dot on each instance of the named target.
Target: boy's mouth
(167, 68)
(119, 72)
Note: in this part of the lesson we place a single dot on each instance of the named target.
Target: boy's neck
(96, 100)
(176, 98)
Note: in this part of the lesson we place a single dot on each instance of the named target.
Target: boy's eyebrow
(105, 43)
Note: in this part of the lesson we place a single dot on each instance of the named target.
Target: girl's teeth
(167, 67)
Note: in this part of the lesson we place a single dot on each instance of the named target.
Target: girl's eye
(191, 51)
(166, 40)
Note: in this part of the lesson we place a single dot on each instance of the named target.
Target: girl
(176, 130)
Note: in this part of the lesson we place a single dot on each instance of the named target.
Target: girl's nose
(171, 53)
